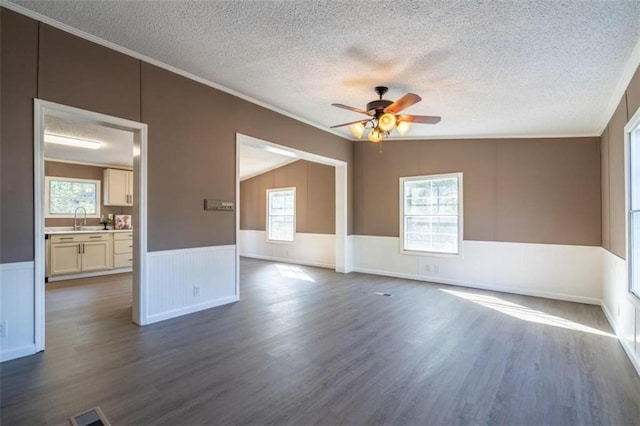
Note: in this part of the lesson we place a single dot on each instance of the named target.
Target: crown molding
(498, 137)
(623, 83)
(92, 38)
(630, 68)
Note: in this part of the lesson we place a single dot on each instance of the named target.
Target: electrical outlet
(427, 268)
(196, 290)
(436, 268)
(4, 329)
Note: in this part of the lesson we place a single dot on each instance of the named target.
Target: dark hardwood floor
(309, 346)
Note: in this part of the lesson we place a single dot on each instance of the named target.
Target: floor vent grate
(383, 294)
(92, 417)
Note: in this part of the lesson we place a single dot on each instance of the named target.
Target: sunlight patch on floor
(295, 272)
(524, 313)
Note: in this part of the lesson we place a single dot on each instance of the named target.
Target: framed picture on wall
(123, 221)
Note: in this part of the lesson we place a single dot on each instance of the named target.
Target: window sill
(430, 253)
(66, 216)
(281, 242)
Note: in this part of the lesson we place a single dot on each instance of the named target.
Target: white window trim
(295, 215)
(632, 126)
(48, 179)
(457, 175)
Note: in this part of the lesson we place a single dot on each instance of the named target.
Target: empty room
(319, 212)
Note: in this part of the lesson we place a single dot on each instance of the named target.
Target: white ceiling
(519, 68)
(116, 147)
(255, 160)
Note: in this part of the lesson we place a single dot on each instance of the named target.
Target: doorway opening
(271, 229)
(90, 197)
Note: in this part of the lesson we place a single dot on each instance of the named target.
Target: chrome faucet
(75, 219)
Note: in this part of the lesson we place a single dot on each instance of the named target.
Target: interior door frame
(43, 109)
(343, 249)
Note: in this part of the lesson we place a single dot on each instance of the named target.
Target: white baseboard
(191, 309)
(616, 297)
(287, 260)
(184, 281)
(633, 357)
(482, 286)
(8, 355)
(55, 278)
(609, 317)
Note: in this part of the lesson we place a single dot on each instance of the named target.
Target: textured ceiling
(519, 68)
(116, 147)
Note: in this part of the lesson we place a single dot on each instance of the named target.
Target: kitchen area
(88, 202)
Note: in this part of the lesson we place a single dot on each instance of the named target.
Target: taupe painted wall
(18, 87)
(613, 192)
(81, 171)
(192, 133)
(516, 190)
(315, 197)
(75, 72)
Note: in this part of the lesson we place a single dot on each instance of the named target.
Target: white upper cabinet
(118, 187)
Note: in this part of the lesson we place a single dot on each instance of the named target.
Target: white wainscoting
(348, 267)
(622, 313)
(308, 249)
(570, 273)
(17, 296)
(173, 275)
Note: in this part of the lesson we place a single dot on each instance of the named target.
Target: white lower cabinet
(96, 256)
(65, 258)
(76, 253)
(123, 250)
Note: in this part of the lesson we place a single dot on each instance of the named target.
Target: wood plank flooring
(309, 346)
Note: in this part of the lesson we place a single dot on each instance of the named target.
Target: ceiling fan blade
(361, 111)
(348, 124)
(404, 102)
(424, 119)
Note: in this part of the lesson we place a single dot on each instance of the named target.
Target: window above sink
(64, 195)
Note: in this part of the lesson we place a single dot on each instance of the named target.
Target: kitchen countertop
(84, 230)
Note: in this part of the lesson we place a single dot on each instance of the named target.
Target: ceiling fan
(384, 116)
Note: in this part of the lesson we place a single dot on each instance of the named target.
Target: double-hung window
(281, 214)
(633, 204)
(431, 213)
(64, 195)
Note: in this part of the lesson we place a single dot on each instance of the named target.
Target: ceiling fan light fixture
(386, 122)
(375, 135)
(385, 115)
(403, 127)
(357, 129)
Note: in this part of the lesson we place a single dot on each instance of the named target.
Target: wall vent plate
(92, 417)
(218, 205)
